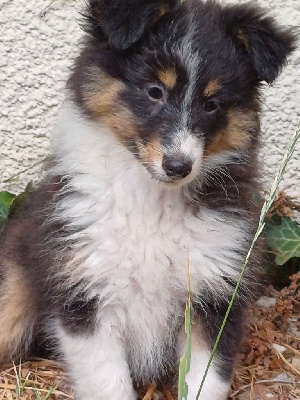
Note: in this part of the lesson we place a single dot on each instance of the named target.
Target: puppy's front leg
(96, 362)
(215, 387)
(204, 333)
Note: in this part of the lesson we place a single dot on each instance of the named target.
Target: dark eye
(155, 93)
(210, 105)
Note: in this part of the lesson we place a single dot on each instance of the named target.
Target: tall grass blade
(15, 177)
(185, 360)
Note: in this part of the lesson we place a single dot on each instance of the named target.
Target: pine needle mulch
(270, 355)
(37, 379)
(269, 360)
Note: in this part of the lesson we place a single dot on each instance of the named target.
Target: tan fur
(212, 87)
(16, 312)
(151, 152)
(121, 123)
(168, 77)
(102, 100)
(243, 38)
(163, 10)
(236, 135)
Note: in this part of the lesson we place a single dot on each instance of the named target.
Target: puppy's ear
(123, 22)
(267, 44)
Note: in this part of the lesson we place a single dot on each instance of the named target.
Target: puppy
(153, 174)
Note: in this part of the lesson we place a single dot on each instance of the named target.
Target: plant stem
(15, 177)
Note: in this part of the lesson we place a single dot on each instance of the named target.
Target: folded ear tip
(267, 43)
(282, 44)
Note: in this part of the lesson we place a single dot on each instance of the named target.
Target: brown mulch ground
(270, 355)
(269, 359)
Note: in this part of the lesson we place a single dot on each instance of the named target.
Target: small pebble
(279, 348)
(265, 301)
(296, 363)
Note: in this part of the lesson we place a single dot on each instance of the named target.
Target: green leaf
(9, 203)
(6, 200)
(185, 361)
(284, 239)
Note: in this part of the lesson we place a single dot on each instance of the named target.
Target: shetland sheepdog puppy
(154, 167)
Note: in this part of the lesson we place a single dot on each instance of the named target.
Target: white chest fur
(137, 238)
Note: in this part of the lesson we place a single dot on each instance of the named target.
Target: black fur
(78, 315)
(213, 314)
(266, 43)
(123, 23)
(239, 67)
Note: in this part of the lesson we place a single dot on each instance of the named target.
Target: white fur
(192, 61)
(138, 237)
(186, 144)
(97, 364)
(214, 388)
(216, 160)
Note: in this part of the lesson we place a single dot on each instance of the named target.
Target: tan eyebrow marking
(212, 87)
(168, 77)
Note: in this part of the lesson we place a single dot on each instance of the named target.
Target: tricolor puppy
(153, 174)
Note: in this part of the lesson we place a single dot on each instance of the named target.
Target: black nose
(177, 166)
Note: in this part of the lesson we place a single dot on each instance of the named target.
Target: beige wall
(36, 53)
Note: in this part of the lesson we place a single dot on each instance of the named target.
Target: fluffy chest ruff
(132, 232)
(134, 241)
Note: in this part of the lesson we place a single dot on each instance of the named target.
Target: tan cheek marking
(168, 77)
(212, 88)
(101, 98)
(104, 100)
(151, 152)
(236, 135)
(122, 124)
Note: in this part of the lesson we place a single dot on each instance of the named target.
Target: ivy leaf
(284, 239)
(6, 200)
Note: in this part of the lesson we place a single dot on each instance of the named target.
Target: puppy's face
(182, 98)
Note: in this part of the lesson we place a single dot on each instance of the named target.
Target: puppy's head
(178, 83)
